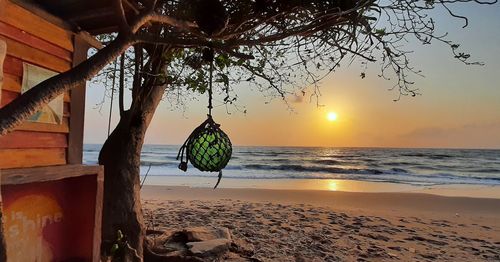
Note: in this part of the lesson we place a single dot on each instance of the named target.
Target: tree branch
(152, 16)
(122, 85)
(120, 11)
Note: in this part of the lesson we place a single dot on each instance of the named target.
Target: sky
(459, 105)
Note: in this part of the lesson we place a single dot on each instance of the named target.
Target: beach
(321, 225)
(328, 204)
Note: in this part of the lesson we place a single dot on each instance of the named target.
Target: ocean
(426, 167)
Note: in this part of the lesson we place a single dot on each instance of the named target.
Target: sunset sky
(459, 105)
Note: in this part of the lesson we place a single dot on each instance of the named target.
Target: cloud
(298, 98)
(468, 135)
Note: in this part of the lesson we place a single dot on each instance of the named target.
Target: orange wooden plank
(35, 42)
(26, 139)
(7, 97)
(15, 158)
(13, 65)
(35, 56)
(23, 19)
(13, 83)
(16, 176)
(66, 109)
(42, 127)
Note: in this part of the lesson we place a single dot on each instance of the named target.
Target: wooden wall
(34, 40)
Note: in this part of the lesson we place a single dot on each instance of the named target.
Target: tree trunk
(120, 156)
(14, 113)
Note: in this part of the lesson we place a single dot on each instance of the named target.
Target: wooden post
(98, 215)
(77, 107)
(3, 53)
(3, 251)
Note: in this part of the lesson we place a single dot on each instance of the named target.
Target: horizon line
(350, 147)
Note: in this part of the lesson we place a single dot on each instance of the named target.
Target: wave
(271, 154)
(416, 166)
(426, 155)
(399, 170)
(396, 175)
(282, 160)
(302, 168)
(485, 170)
(327, 162)
(344, 156)
(158, 163)
(403, 163)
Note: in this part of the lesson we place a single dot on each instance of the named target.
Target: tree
(120, 153)
(279, 46)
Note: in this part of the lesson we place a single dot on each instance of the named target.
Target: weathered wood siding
(34, 40)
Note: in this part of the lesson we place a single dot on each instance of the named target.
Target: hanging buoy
(208, 148)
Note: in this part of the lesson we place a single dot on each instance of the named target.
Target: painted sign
(50, 221)
(52, 113)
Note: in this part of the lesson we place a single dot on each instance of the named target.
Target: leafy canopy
(285, 46)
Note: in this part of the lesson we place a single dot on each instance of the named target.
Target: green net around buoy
(208, 149)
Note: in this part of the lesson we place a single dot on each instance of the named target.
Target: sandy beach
(315, 225)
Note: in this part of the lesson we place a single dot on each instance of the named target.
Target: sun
(331, 116)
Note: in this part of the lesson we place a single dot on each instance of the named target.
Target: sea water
(405, 166)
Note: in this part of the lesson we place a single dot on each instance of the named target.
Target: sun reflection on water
(332, 185)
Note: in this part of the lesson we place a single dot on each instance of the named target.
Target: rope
(210, 87)
(111, 104)
(145, 176)
(218, 179)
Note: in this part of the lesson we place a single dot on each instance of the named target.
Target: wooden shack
(51, 202)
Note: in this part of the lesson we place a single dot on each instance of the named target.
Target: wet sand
(482, 191)
(307, 225)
